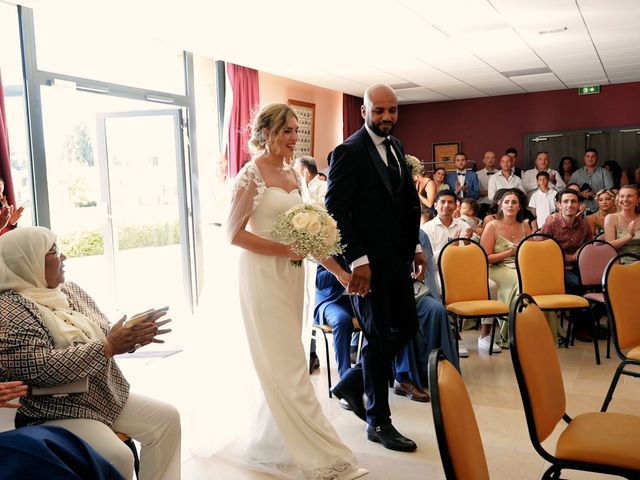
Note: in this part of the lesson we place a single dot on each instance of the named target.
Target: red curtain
(351, 116)
(5, 165)
(246, 97)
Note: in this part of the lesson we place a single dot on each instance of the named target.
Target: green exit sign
(590, 90)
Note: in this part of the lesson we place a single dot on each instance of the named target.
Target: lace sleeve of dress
(247, 191)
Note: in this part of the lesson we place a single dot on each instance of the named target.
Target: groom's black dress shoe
(390, 438)
(354, 401)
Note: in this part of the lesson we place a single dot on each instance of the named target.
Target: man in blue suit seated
(333, 308)
(464, 183)
(434, 328)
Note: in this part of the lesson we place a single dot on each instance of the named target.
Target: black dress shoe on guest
(353, 399)
(390, 438)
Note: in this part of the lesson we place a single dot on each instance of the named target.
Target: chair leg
(609, 333)
(136, 459)
(326, 350)
(612, 387)
(594, 326)
(456, 333)
(493, 334)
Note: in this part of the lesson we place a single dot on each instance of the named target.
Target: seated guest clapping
(45, 451)
(53, 333)
(622, 229)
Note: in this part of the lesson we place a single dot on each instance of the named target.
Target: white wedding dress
(291, 437)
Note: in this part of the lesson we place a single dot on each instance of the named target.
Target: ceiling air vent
(526, 72)
(403, 86)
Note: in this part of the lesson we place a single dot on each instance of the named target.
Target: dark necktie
(392, 163)
(491, 173)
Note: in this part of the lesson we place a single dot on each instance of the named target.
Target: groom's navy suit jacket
(374, 219)
(381, 222)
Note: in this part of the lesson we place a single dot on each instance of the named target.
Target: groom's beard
(382, 129)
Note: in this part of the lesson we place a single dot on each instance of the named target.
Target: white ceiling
(436, 49)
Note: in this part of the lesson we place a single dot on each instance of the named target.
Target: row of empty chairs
(599, 442)
(464, 275)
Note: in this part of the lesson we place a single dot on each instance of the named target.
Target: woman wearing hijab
(52, 333)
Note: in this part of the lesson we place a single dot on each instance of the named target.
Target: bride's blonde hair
(273, 118)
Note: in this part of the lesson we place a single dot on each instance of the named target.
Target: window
(11, 70)
(83, 45)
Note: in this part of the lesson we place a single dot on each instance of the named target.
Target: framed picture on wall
(306, 113)
(444, 153)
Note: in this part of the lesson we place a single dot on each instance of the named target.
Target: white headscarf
(22, 262)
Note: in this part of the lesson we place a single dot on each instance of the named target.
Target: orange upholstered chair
(464, 278)
(457, 431)
(540, 266)
(596, 442)
(620, 285)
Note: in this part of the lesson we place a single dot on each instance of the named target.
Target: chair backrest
(464, 271)
(593, 258)
(540, 265)
(620, 285)
(537, 368)
(457, 431)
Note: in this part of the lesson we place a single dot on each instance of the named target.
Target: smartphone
(144, 316)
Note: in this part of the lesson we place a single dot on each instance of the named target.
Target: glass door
(143, 188)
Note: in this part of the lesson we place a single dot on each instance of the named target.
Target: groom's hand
(419, 267)
(360, 283)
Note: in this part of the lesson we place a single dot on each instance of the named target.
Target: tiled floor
(209, 376)
(192, 376)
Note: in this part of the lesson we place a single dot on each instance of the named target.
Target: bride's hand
(289, 253)
(344, 278)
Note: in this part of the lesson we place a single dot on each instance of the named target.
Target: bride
(291, 438)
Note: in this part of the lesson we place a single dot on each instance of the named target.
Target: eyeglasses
(54, 250)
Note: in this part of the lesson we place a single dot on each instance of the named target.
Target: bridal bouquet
(414, 164)
(310, 231)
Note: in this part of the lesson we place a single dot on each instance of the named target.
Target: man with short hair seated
(570, 230)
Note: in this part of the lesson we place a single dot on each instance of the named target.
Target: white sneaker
(484, 344)
(462, 349)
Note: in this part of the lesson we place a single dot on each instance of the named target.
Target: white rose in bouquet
(328, 233)
(315, 224)
(300, 220)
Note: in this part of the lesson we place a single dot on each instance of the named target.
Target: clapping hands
(122, 338)
(9, 215)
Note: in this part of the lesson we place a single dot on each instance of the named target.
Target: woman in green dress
(500, 239)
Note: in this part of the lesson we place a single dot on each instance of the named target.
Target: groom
(372, 197)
